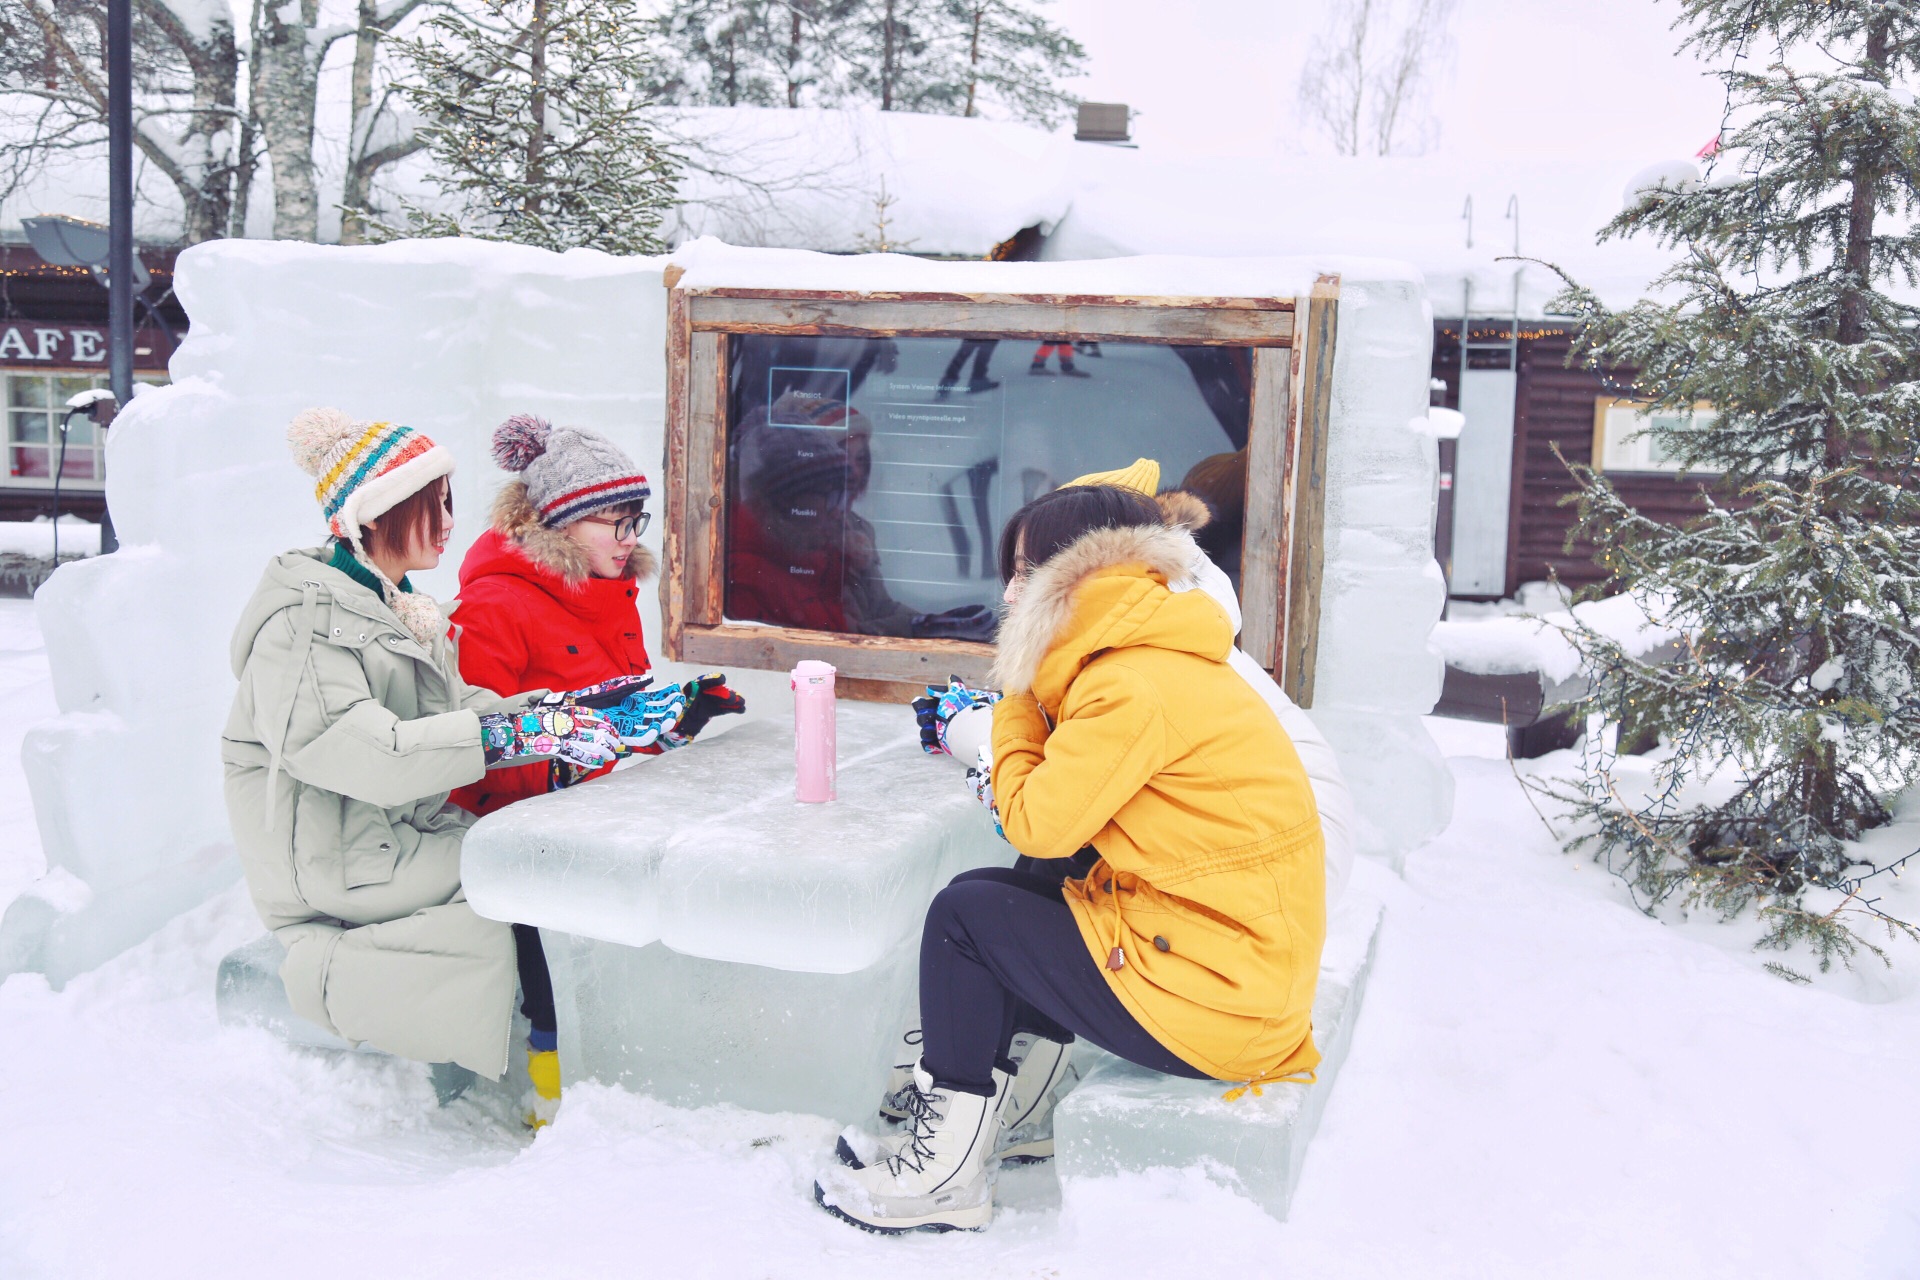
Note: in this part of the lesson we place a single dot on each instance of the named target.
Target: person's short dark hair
(1054, 521)
(425, 509)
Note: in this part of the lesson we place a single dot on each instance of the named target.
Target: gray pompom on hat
(569, 472)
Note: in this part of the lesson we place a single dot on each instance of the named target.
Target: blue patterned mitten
(936, 709)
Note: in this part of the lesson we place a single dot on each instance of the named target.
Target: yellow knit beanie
(1142, 477)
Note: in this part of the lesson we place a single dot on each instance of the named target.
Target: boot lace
(897, 1100)
(922, 1114)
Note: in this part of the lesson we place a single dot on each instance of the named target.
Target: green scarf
(348, 563)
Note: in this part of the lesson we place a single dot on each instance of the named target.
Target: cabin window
(1623, 441)
(36, 402)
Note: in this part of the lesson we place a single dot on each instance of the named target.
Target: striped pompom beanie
(569, 472)
(362, 469)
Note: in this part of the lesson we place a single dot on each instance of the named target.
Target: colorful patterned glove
(980, 782)
(707, 696)
(936, 710)
(608, 693)
(574, 735)
(646, 717)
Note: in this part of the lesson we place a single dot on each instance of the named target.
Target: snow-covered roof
(711, 264)
(815, 178)
(1413, 209)
(824, 179)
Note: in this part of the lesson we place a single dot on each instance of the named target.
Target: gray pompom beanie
(569, 472)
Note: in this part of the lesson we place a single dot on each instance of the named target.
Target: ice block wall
(1382, 591)
(448, 336)
(454, 336)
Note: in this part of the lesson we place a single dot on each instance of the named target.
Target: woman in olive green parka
(350, 726)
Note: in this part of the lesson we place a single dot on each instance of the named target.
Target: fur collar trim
(516, 518)
(1034, 623)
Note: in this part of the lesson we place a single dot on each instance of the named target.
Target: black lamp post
(120, 257)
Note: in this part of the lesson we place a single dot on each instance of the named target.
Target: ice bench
(248, 992)
(1124, 1117)
(713, 940)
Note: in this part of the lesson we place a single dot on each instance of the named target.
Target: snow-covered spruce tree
(753, 53)
(1793, 710)
(947, 57)
(960, 57)
(535, 128)
(1004, 53)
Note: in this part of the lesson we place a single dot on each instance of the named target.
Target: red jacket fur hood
(530, 617)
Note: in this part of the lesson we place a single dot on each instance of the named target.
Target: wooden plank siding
(1554, 406)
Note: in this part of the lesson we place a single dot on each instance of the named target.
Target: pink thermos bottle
(814, 738)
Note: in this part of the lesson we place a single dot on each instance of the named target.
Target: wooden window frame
(1283, 545)
(1602, 406)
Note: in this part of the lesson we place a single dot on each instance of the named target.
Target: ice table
(713, 940)
(1124, 1117)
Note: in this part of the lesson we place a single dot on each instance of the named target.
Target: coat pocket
(368, 847)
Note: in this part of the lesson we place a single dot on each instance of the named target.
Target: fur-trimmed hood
(518, 520)
(1106, 590)
(1184, 510)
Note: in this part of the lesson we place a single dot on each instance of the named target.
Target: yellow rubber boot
(544, 1102)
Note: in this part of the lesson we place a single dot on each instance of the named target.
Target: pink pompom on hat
(362, 470)
(569, 472)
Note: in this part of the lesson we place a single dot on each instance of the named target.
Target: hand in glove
(937, 708)
(968, 622)
(571, 734)
(608, 693)
(707, 696)
(980, 782)
(645, 718)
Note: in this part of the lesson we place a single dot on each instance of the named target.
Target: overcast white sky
(1541, 78)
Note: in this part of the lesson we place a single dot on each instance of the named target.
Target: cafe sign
(52, 344)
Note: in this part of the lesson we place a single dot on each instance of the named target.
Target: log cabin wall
(1554, 406)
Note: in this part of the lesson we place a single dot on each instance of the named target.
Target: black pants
(536, 984)
(1001, 954)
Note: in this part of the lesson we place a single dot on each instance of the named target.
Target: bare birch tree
(53, 95)
(1370, 71)
(288, 47)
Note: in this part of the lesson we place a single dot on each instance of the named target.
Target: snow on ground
(35, 537)
(1543, 1082)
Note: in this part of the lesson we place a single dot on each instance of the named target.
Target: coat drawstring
(1116, 958)
(296, 667)
(1283, 1077)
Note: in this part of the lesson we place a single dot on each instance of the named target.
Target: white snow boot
(941, 1179)
(1047, 1074)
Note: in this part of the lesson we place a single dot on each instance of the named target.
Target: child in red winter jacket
(548, 596)
(549, 592)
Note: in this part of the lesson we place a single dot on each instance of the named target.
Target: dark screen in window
(868, 478)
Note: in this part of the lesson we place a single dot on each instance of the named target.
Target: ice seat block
(248, 993)
(1124, 1118)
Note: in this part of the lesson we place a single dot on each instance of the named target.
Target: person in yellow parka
(1192, 945)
